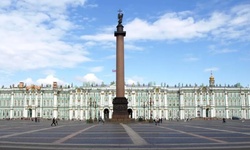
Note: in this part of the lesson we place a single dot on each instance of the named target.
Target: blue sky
(167, 41)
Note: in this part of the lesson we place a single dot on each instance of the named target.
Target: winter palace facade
(81, 103)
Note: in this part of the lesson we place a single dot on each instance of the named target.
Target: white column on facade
(243, 105)
(201, 100)
(160, 103)
(160, 113)
(81, 99)
(36, 98)
(212, 106)
(25, 99)
(181, 105)
(166, 99)
(86, 114)
(133, 99)
(25, 106)
(70, 105)
(29, 99)
(41, 105)
(207, 99)
(242, 98)
(248, 106)
(55, 111)
(213, 99)
(195, 104)
(134, 113)
(11, 105)
(166, 111)
(81, 105)
(29, 104)
(101, 113)
(36, 105)
(110, 100)
(154, 100)
(86, 105)
(102, 99)
(154, 106)
(226, 106)
(110, 113)
(202, 106)
(81, 114)
(33, 113)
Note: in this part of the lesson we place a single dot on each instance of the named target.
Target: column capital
(120, 31)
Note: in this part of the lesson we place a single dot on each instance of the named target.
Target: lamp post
(90, 113)
(144, 106)
(95, 106)
(150, 107)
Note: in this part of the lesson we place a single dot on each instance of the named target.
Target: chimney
(54, 85)
(20, 84)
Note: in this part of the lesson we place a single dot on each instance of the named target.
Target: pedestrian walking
(223, 120)
(53, 122)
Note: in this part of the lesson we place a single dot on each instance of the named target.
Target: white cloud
(49, 72)
(91, 78)
(134, 80)
(215, 50)
(28, 81)
(190, 58)
(242, 14)
(238, 25)
(223, 51)
(36, 35)
(49, 80)
(131, 81)
(133, 47)
(5, 3)
(170, 26)
(96, 69)
(234, 24)
(213, 69)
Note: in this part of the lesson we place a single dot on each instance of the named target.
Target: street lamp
(144, 106)
(95, 106)
(90, 115)
(150, 107)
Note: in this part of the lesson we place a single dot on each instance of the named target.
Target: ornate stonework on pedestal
(120, 109)
(120, 103)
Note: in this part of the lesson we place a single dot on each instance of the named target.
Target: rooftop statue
(120, 16)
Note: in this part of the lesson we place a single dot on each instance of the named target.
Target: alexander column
(120, 103)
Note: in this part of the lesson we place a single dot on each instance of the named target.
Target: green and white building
(145, 101)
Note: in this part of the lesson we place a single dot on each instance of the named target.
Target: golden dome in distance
(211, 80)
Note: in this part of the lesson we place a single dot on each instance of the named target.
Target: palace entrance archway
(207, 112)
(30, 113)
(106, 114)
(130, 113)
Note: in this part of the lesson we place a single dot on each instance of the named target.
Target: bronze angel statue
(120, 16)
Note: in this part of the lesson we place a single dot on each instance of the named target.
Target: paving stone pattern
(196, 134)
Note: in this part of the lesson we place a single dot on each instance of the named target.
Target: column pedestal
(120, 110)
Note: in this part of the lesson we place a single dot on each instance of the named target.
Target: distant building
(92, 101)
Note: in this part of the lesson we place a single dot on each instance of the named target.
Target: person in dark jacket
(53, 122)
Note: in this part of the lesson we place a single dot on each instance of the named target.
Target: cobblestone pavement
(74, 135)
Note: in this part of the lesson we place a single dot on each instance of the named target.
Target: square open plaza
(74, 135)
